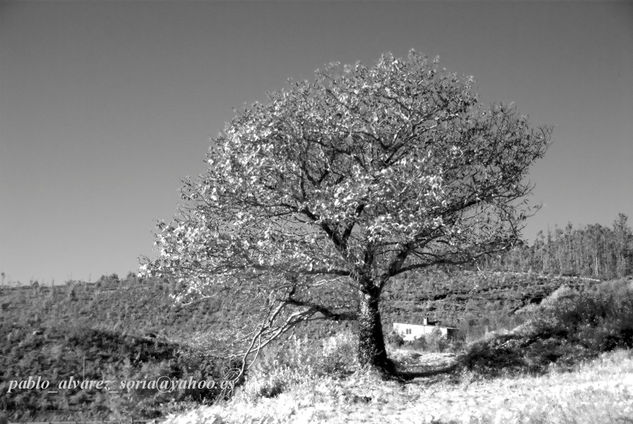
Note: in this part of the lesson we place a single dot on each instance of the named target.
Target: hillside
(116, 331)
(139, 307)
(469, 299)
(61, 360)
(129, 306)
(132, 329)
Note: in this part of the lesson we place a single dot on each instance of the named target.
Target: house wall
(410, 332)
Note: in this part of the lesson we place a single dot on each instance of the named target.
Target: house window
(407, 331)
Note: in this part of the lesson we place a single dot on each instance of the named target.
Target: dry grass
(600, 391)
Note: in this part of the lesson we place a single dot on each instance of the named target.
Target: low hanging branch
(270, 331)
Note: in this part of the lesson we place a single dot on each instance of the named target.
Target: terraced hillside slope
(131, 328)
(474, 298)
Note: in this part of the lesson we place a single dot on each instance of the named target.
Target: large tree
(335, 186)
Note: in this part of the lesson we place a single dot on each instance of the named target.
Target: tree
(340, 184)
(623, 239)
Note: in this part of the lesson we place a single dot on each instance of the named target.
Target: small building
(410, 332)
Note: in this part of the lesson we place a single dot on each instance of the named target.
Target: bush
(434, 342)
(297, 361)
(419, 344)
(600, 318)
(394, 339)
(339, 354)
(569, 326)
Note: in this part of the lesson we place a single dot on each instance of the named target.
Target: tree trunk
(371, 343)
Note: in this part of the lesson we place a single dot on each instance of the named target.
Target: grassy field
(599, 391)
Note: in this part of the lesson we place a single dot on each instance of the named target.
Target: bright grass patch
(599, 391)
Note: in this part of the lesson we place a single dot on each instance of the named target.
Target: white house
(410, 332)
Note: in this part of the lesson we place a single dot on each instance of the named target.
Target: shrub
(419, 343)
(600, 317)
(569, 326)
(297, 361)
(339, 354)
(394, 339)
(434, 342)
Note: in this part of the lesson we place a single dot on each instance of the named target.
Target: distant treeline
(592, 251)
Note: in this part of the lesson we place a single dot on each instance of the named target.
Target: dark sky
(105, 106)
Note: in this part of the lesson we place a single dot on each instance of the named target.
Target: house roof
(421, 324)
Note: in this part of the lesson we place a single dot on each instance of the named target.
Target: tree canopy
(343, 182)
